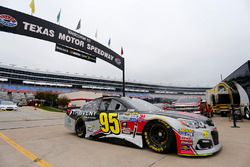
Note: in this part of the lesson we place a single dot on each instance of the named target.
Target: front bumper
(197, 142)
(211, 151)
(188, 109)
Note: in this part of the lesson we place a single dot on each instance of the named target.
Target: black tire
(223, 114)
(247, 113)
(159, 137)
(80, 128)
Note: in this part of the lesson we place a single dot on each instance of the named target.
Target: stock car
(143, 124)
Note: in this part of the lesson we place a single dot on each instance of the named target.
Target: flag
(58, 17)
(109, 42)
(96, 34)
(32, 7)
(121, 50)
(78, 25)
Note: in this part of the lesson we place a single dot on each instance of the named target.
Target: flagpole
(123, 81)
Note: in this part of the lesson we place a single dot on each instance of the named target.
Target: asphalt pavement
(31, 137)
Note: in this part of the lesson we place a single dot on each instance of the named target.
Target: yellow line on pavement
(25, 152)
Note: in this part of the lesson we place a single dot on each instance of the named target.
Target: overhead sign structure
(23, 24)
(67, 41)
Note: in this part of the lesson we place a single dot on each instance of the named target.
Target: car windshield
(7, 103)
(188, 100)
(141, 105)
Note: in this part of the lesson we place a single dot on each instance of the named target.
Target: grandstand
(26, 81)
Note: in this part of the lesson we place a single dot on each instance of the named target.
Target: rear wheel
(159, 136)
(80, 128)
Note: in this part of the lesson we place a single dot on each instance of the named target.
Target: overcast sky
(169, 42)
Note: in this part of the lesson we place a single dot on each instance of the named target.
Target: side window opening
(116, 106)
(92, 105)
(104, 105)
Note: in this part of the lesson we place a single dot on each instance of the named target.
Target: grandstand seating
(30, 88)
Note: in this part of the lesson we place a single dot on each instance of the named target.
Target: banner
(23, 24)
(75, 53)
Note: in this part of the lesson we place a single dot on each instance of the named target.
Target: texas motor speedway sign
(23, 24)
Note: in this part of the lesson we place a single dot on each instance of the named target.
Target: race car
(143, 124)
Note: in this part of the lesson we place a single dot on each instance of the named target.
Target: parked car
(22, 102)
(188, 104)
(164, 106)
(143, 124)
(7, 105)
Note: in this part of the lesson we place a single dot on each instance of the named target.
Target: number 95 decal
(109, 123)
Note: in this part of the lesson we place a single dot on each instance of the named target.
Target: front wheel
(80, 128)
(159, 136)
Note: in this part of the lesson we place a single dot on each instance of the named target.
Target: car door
(118, 113)
(109, 116)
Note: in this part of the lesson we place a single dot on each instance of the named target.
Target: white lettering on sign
(76, 35)
(100, 52)
(70, 39)
(38, 29)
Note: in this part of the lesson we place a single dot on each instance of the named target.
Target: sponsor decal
(134, 113)
(129, 116)
(141, 117)
(126, 130)
(186, 142)
(90, 128)
(185, 147)
(185, 138)
(123, 117)
(186, 132)
(205, 134)
(84, 114)
(124, 124)
(133, 119)
(8, 21)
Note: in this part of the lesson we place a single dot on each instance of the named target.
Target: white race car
(143, 124)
